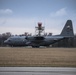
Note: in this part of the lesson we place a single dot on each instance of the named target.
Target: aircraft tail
(68, 29)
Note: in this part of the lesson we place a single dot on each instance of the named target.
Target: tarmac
(37, 71)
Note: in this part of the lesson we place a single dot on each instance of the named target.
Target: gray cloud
(60, 12)
(5, 11)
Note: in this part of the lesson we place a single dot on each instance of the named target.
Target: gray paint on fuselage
(16, 41)
(47, 40)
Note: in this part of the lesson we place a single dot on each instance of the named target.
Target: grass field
(57, 57)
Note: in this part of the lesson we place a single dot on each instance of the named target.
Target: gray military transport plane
(37, 41)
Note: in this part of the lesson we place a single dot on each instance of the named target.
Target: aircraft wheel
(48, 46)
(35, 46)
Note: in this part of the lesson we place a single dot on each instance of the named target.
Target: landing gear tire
(35, 46)
(48, 46)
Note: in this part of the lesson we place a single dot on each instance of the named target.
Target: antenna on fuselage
(39, 30)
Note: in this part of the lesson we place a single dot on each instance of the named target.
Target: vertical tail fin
(68, 29)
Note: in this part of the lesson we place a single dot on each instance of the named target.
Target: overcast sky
(19, 16)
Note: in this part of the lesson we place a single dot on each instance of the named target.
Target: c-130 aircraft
(37, 41)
